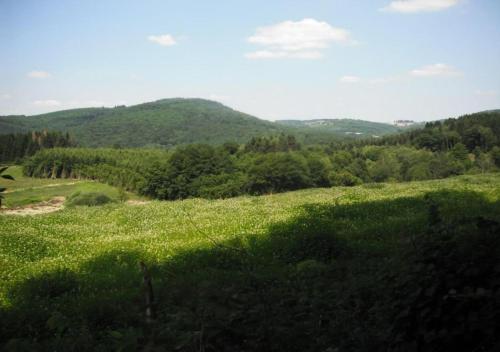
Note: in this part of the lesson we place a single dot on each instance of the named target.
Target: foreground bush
(90, 199)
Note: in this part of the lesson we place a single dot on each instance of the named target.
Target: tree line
(119, 167)
(478, 132)
(264, 165)
(14, 147)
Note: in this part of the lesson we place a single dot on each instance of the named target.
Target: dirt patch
(137, 202)
(55, 204)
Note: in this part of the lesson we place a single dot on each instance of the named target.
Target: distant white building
(403, 123)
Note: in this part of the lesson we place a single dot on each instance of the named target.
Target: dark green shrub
(90, 199)
(344, 178)
(278, 172)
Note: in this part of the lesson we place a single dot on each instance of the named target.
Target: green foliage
(187, 170)
(408, 266)
(495, 155)
(281, 143)
(344, 127)
(278, 163)
(459, 152)
(479, 136)
(5, 177)
(163, 123)
(171, 122)
(447, 292)
(26, 190)
(15, 147)
(226, 171)
(222, 185)
(344, 178)
(278, 172)
(478, 130)
(385, 168)
(311, 267)
(122, 194)
(90, 199)
(118, 167)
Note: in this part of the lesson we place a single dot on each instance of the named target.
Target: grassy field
(83, 262)
(27, 190)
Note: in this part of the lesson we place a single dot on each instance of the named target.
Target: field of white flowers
(157, 230)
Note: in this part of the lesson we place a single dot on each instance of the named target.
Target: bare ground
(55, 204)
(137, 202)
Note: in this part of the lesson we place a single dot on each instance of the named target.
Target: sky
(378, 60)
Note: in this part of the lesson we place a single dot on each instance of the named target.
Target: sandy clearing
(55, 204)
(137, 202)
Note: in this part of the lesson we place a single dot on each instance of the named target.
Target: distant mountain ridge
(170, 122)
(352, 127)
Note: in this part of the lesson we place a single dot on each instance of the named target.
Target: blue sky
(377, 60)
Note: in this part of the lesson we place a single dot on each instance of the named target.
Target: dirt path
(55, 204)
(137, 202)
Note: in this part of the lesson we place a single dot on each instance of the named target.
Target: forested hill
(162, 123)
(170, 122)
(347, 127)
(480, 130)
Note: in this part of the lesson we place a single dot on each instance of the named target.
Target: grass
(27, 190)
(94, 251)
(22, 182)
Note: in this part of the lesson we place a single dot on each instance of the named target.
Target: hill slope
(366, 263)
(348, 127)
(177, 121)
(164, 122)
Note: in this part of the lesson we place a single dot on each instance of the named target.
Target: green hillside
(164, 122)
(347, 127)
(170, 122)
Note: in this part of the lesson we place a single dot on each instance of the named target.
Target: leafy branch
(6, 177)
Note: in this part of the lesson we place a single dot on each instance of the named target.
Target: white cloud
(38, 74)
(414, 6)
(47, 103)
(6, 96)
(163, 39)
(435, 70)
(350, 79)
(301, 39)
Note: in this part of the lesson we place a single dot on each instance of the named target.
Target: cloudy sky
(377, 60)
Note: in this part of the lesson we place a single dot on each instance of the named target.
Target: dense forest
(280, 163)
(480, 130)
(349, 127)
(120, 167)
(14, 147)
(170, 122)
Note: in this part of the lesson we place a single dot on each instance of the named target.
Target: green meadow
(316, 265)
(27, 190)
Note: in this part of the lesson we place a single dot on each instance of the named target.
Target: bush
(221, 186)
(344, 178)
(90, 199)
(310, 268)
(278, 172)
